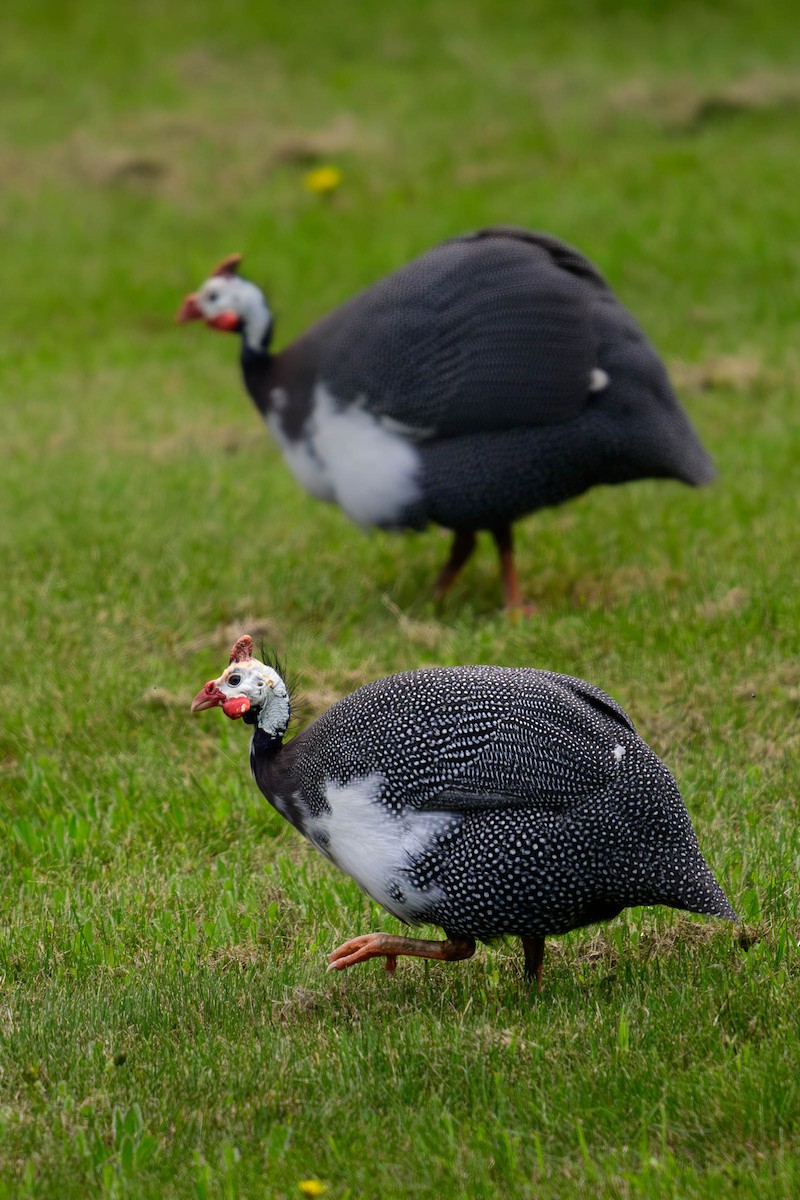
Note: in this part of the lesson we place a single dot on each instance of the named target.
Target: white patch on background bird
(412, 433)
(619, 753)
(599, 380)
(374, 472)
(375, 847)
(306, 467)
(349, 456)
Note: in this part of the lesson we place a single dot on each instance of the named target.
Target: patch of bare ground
(322, 688)
(141, 160)
(219, 128)
(120, 436)
(202, 69)
(764, 716)
(236, 957)
(682, 105)
(428, 634)
(472, 174)
(226, 633)
(231, 439)
(304, 148)
(736, 372)
(774, 697)
(303, 1004)
(343, 1003)
(729, 604)
(508, 1039)
(601, 951)
(601, 591)
(173, 152)
(782, 681)
(103, 164)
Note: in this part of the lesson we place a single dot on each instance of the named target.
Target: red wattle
(229, 321)
(235, 707)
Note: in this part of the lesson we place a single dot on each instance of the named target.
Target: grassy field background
(166, 1024)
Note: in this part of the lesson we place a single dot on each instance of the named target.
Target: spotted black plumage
(489, 801)
(494, 375)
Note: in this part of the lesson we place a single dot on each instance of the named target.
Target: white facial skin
(223, 294)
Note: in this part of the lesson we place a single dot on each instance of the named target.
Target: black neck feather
(261, 354)
(256, 366)
(265, 744)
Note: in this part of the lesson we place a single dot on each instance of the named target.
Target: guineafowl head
(248, 688)
(235, 305)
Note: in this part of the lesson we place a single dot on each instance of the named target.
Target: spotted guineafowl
(494, 375)
(485, 800)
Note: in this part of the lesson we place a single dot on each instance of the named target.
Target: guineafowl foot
(385, 945)
(460, 551)
(534, 957)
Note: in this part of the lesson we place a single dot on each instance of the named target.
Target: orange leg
(534, 957)
(460, 551)
(386, 945)
(505, 548)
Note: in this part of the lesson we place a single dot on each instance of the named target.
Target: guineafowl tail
(676, 446)
(693, 464)
(683, 879)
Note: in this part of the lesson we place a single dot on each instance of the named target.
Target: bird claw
(359, 949)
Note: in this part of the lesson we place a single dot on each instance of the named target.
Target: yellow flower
(311, 1187)
(322, 181)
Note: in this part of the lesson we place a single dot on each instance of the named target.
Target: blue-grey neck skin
(254, 314)
(274, 713)
(257, 334)
(270, 724)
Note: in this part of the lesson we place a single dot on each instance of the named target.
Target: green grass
(166, 1024)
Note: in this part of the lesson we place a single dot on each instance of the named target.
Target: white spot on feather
(598, 379)
(619, 753)
(375, 847)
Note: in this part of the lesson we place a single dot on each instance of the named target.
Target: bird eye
(212, 296)
(234, 680)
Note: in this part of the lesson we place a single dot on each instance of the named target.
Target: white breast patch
(349, 456)
(309, 472)
(375, 847)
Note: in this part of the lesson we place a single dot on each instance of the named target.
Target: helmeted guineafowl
(494, 375)
(486, 800)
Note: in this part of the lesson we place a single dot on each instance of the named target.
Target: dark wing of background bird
(490, 331)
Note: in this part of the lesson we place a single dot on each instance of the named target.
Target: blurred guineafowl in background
(485, 800)
(494, 375)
